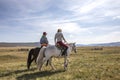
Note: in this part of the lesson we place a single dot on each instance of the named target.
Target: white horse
(46, 53)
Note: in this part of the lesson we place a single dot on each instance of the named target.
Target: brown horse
(32, 55)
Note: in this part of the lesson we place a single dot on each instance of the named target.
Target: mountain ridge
(101, 44)
(29, 44)
(33, 44)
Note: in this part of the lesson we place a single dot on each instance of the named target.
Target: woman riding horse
(58, 40)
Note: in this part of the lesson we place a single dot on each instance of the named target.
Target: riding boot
(64, 52)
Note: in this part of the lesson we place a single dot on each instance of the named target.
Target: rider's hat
(44, 33)
(59, 30)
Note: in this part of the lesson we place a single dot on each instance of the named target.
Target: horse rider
(44, 40)
(59, 40)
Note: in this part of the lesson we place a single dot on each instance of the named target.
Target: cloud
(72, 28)
(96, 10)
(23, 8)
(109, 37)
(82, 21)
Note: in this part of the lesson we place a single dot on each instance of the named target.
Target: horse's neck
(70, 46)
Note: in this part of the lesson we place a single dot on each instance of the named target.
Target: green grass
(87, 64)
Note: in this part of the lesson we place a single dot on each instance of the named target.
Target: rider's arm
(46, 40)
(63, 38)
(41, 40)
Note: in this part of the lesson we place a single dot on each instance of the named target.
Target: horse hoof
(39, 69)
(65, 65)
(65, 68)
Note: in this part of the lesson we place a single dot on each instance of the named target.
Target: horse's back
(51, 47)
(52, 50)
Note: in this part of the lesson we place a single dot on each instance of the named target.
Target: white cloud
(90, 6)
(110, 37)
(82, 21)
(72, 28)
(93, 10)
(33, 5)
(116, 17)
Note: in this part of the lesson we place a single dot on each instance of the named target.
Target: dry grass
(87, 64)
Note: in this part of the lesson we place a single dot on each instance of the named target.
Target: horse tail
(29, 58)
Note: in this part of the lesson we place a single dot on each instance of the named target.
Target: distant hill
(80, 45)
(102, 44)
(30, 44)
(35, 44)
(106, 44)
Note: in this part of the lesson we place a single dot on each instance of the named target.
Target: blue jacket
(43, 40)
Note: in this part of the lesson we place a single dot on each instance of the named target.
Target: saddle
(60, 48)
(44, 44)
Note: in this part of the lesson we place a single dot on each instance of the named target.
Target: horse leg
(44, 60)
(40, 59)
(40, 66)
(65, 63)
(40, 63)
(50, 62)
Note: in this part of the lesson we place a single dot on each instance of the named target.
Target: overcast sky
(82, 21)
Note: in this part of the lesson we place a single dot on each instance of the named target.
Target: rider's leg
(65, 51)
(65, 48)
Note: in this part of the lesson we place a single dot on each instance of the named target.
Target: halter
(73, 47)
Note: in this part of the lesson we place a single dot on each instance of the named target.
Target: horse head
(73, 47)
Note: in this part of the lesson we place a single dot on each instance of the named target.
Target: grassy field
(87, 64)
